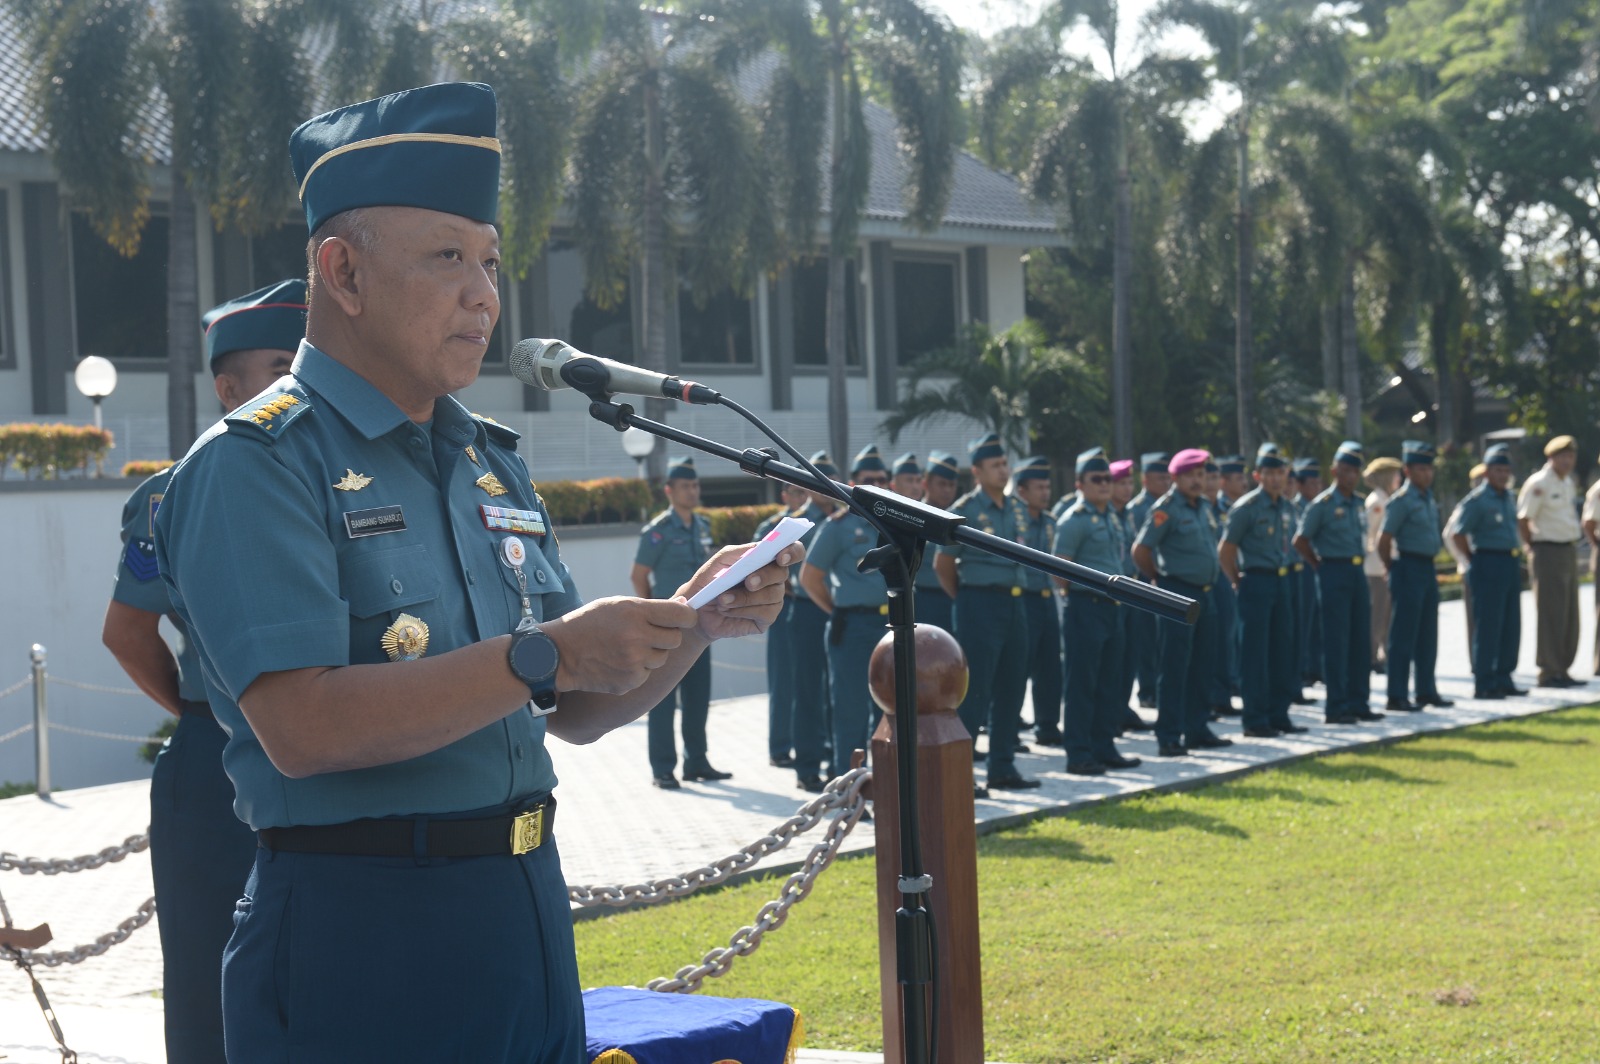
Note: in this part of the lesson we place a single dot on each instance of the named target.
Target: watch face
(535, 657)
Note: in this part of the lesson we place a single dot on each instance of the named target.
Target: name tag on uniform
(505, 519)
(374, 522)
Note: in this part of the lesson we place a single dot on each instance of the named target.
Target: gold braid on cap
(490, 143)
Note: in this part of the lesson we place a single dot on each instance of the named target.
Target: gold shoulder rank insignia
(491, 484)
(406, 639)
(352, 481)
(471, 454)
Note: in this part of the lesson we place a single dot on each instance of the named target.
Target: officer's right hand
(611, 645)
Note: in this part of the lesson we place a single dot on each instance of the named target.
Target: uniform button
(396, 586)
(538, 574)
(517, 749)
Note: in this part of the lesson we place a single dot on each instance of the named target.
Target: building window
(120, 304)
(607, 333)
(8, 346)
(926, 305)
(279, 254)
(811, 314)
(720, 333)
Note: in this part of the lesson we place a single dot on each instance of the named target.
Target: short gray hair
(357, 226)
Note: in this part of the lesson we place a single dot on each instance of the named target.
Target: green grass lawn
(1434, 900)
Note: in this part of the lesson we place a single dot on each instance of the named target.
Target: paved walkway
(106, 1005)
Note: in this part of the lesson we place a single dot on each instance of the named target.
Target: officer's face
(1189, 483)
(1311, 487)
(430, 297)
(1273, 480)
(1158, 483)
(992, 473)
(1346, 477)
(1122, 490)
(1233, 484)
(1499, 476)
(1035, 494)
(1095, 488)
(1421, 475)
(909, 485)
(683, 493)
(1563, 461)
(249, 373)
(1213, 484)
(941, 491)
(793, 497)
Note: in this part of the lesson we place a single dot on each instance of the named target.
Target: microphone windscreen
(536, 362)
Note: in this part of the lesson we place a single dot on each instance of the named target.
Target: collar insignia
(473, 455)
(352, 481)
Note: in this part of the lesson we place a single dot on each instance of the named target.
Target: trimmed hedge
(51, 450)
(146, 468)
(609, 500)
(737, 524)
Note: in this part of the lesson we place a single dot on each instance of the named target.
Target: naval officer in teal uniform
(1226, 680)
(1142, 630)
(1177, 548)
(1409, 541)
(387, 631)
(780, 647)
(808, 631)
(857, 605)
(906, 476)
(1121, 494)
(1031, 484)
(1487, 532)
(1253, 557)
(200, 852)
(991, 623)
(672, 547)
(1090, 534)
(939, 489)
(1331, 540)
(1307, 485)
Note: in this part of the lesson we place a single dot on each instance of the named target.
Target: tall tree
(1262, 50)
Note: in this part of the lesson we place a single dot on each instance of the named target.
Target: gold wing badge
(491, 484)
(406, 639)
(352, 481)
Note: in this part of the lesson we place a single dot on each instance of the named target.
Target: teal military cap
(431, 147)
(943, 464)
(1270, 456)
(1154, 462)
(824, 464)
(1093, 461)
(868, 460)
(1034, 468)
(906, 465)
(1350, 452)
(1499, 454)
(985, 447)
(1212, 467)
(1306, 467)
(273, 318)
(1416, 452)
(1230, 463)
(682, 468)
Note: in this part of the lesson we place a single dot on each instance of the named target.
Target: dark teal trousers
(1496, 583)
(1044, 661)
(1413, 627)
(992, 628)
(1268, 667)
(780, 685)
(809, 652)
(1092, 628)
(1187, 656)
(1346, 607)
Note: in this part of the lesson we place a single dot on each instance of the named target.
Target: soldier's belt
(1299, 566)
(512, 833)
(1496, 550)
(997, 589)
(1416, 556)
(876, 611)
(1267, 570)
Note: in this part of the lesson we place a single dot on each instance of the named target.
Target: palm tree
(1262, 51)
(1082, 163)
(667, 166)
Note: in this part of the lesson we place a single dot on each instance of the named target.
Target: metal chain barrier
(747, 940)
(14, 688)
(93, 949)
(68, 1056)
(842, 793)
(15, 732)
(10, 862)
(93, 734)
(95, 687)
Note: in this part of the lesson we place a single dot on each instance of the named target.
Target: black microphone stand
(904, 526)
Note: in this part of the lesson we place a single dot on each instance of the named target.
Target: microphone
(553, 364)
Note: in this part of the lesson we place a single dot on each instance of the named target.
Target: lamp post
(96, 378)
(638, 443)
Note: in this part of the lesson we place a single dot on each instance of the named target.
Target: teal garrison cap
(272, 318)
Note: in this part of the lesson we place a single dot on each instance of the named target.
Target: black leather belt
(510, 833)
(876, 611)
(196, 709)
(1507, 551)
(1416, 555)
(1267, 570)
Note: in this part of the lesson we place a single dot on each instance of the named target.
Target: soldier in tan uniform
(1547, 520)
(1382, 476)
(1591, 532)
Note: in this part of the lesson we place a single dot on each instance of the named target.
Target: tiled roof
(981, 197)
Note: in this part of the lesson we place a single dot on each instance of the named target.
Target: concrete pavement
(106, 1004)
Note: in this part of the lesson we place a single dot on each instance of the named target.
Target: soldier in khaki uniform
(1383, 477)
(1547, 520)
(1591, 532)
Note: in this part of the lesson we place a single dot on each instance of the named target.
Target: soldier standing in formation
(1547, 519)
(1486, 532)
(1407, 546)
(1253, 559)
(1308, 621)
(939, 481)
(907, 476)
(1032, 486)
(1382, 476)
(1091, 534)
(780, 646)
(1331, 539)
(1143, 630)
(809, 627)
(990, 622)
(1121, 494)
(1225, 680)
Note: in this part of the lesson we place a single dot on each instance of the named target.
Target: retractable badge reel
(512, 555)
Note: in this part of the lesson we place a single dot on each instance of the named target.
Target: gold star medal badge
(352, 481)
(491, 484)
(406, 639)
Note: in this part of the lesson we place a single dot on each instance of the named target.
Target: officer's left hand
(751, 608)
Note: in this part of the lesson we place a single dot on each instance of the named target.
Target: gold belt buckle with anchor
(527, 829)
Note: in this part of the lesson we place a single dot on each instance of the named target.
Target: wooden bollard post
(949, 843)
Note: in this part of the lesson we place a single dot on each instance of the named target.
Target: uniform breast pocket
(537, 574)
(384, 582)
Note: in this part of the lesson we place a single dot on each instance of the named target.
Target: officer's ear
(337, 262)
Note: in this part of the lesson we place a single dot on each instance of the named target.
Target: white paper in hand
(787, 531)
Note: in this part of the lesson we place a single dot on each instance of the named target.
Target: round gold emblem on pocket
(406, 639)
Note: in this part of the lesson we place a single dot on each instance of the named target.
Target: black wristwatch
(534, 659)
